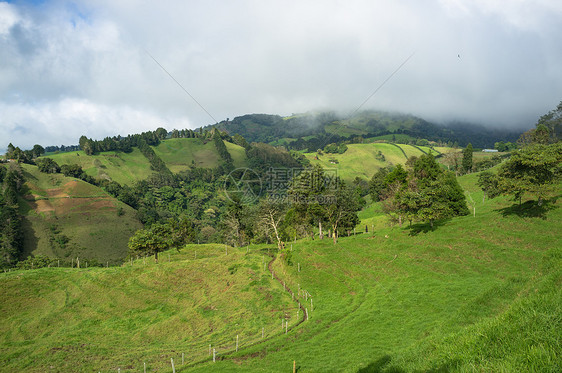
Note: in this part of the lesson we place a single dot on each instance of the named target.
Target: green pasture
(124, 168)
(360, 160)
(56, 209)
(478, 293)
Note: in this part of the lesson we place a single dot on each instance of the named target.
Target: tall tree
(467, 158)
(87, 145)
(553, 121)
(271, 215)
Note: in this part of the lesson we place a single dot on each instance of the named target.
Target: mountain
(333, 127)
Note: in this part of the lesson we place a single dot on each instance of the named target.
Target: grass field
(57, 208)
(124, 168)
(237, 153)
(360, 160)
(180, 154)
(410, 150)
(478, 293)
(105, 319)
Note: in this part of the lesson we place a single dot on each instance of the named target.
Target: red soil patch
(82, 205)
(42, 205)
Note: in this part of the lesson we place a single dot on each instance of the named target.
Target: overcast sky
(72, 68)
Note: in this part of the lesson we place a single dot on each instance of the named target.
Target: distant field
(180, 154)
(478, 156)
(397, 137)
(360, 160)
(444, 149)
(410, 150)
(237, 153)
(124, 168)
(97, 225)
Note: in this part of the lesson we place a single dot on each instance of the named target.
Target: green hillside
(479, 293)
(180, 154)
(124, 168)
(361, 160)
(68, 218)
(105, 319)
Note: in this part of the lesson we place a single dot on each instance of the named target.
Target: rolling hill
(363, 160)
(125, 168)
(480, 293)
(68, 218)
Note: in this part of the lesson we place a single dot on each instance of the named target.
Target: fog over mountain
(69, 68)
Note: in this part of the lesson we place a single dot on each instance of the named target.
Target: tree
(271, 215)
(47, 165)
(161, 133)
(430, 193)
(467, 158)
(341, 211)
(87, 145)
(72, 170)
(553, 121)
(377, 184)
(320, 199)
(37, 150)
(453, 160)
(150, 241)
(534, 169)
(488, 182)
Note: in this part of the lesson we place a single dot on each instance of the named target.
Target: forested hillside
(316, 129)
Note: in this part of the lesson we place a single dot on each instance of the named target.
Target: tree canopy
(533, 170)
(429, 193)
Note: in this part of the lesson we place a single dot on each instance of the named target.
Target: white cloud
(63, 122)
(276, 57)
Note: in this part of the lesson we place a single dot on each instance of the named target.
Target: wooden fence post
(173, 368)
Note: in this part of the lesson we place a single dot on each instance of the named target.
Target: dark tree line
(24, 156)
(11, 232)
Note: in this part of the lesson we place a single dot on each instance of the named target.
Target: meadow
(363, 160)
(479, 293)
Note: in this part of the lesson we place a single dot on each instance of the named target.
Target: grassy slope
(237, 153)
(410, 150)
(125, 168)
(478, 293)
(178, 154)
(360, 160)
(102, 319)
(87, 215)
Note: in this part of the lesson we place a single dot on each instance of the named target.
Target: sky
(105, 68)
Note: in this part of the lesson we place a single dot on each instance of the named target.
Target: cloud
(277, 57)
(65, 121)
